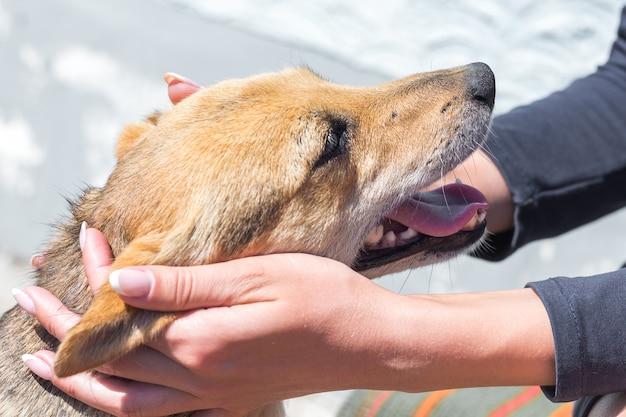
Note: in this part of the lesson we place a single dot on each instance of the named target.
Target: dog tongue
(441, 212)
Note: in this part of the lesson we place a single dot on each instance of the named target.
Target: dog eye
(336, 142)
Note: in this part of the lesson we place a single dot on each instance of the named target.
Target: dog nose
(481, 83)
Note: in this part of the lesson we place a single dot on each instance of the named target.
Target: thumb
(164, 288)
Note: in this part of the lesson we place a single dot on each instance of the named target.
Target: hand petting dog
(252, 328)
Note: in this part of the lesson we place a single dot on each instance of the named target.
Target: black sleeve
(587, 316)
(564, 157)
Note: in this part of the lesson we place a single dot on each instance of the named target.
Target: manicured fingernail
(37, 260)
(171, 78)
(24, 301)
(38, 366)
(82, 236)
(132, 281)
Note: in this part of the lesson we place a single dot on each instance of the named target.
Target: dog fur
(281, 162)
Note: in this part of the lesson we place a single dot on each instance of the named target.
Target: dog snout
(481, 83)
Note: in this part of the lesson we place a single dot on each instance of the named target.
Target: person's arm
(564, 157)
(586, 315)
(278, 326)
(549, 167)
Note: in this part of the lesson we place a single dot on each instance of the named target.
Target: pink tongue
(441, 212)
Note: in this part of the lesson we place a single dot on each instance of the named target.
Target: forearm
(462, 340)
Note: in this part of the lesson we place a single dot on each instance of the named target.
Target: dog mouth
(440, 222)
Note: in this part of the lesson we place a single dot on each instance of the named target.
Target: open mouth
(441, 222)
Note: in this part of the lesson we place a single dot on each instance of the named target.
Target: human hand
(272, 320)
(265, 328)
(179, 87)
(95, 389)
(481, 172)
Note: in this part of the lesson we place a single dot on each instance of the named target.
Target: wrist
(480, 171)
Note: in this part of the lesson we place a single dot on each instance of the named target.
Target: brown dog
(283, 162)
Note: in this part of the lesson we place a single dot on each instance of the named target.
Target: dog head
(287, 162)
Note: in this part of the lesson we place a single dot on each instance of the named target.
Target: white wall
(533, 46)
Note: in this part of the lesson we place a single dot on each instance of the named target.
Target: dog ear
(110, 328)
(133, 133)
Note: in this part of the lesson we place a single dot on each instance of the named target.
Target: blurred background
(73, 72)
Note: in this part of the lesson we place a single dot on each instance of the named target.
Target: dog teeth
(408, 234)
(389, 239)
(375, 235)
(476, 220)
(378, 239)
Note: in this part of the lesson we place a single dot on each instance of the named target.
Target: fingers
(116, 396)
(242, 281)
(150, 366)
(49, 311)
(144, 364)
(37, 261)
(179, 87)
(97, 257)
(163, 288)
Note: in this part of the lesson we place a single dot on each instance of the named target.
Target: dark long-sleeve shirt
(564, 159)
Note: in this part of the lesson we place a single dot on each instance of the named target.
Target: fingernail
(171, 78)
(38, 366)
(131, 281)
(37, 260)
(82, 236)
(24, 301)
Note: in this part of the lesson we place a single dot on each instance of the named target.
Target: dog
(279, 162)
